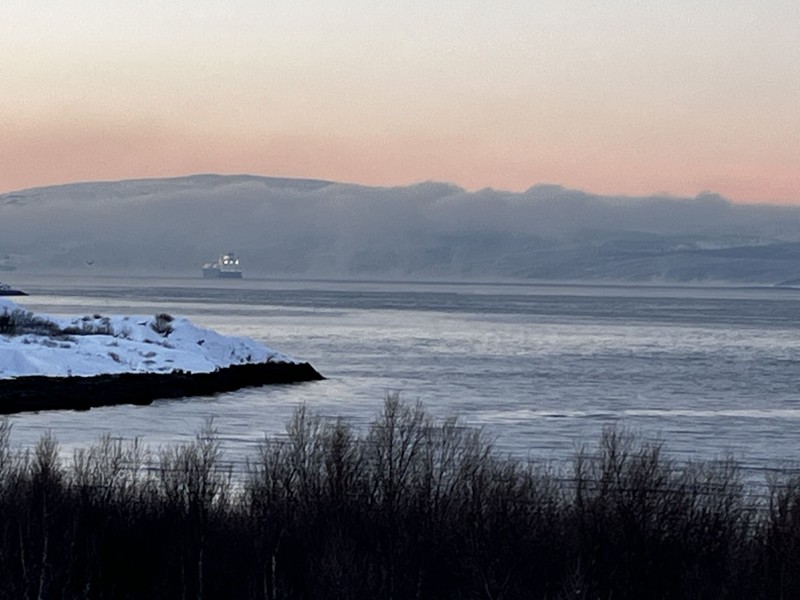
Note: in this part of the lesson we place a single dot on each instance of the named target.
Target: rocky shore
(36, 393)
(78, 363)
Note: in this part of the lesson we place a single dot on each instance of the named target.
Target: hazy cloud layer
(323, 229)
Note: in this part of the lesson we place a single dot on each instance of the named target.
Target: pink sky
(612, 99)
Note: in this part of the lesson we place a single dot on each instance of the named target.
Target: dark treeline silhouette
(410, 508)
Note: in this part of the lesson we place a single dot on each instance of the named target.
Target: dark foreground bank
(408, 509)
(82, 393)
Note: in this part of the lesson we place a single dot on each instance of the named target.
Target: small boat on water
(226, 267)
(7, 290)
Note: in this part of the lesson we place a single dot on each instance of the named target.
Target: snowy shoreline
(81, 362)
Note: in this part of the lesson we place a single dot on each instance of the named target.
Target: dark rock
(6, 290)
(35, 393)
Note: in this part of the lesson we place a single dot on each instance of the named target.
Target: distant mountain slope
(310, 228)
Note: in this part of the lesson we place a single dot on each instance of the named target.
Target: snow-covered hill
(33, 344)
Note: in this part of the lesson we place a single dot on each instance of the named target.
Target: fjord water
(543, 369)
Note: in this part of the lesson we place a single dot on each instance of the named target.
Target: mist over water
(543, 369)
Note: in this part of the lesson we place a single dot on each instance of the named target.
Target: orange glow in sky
(612, 98)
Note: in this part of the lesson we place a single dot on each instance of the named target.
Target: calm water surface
(543, 369)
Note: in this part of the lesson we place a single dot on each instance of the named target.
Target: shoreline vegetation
(409, 508)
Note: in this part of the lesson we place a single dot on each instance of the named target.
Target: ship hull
(217, 274)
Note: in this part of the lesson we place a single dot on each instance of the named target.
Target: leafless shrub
(20, 322)
(412, 507)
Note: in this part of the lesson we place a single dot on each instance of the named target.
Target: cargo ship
(225, 267)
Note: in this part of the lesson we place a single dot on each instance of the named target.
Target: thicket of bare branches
(411, 508)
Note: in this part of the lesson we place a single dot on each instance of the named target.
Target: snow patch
(33, 344)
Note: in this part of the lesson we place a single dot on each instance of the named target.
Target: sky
(613, 96)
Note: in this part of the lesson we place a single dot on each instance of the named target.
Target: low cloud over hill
(304, 228)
